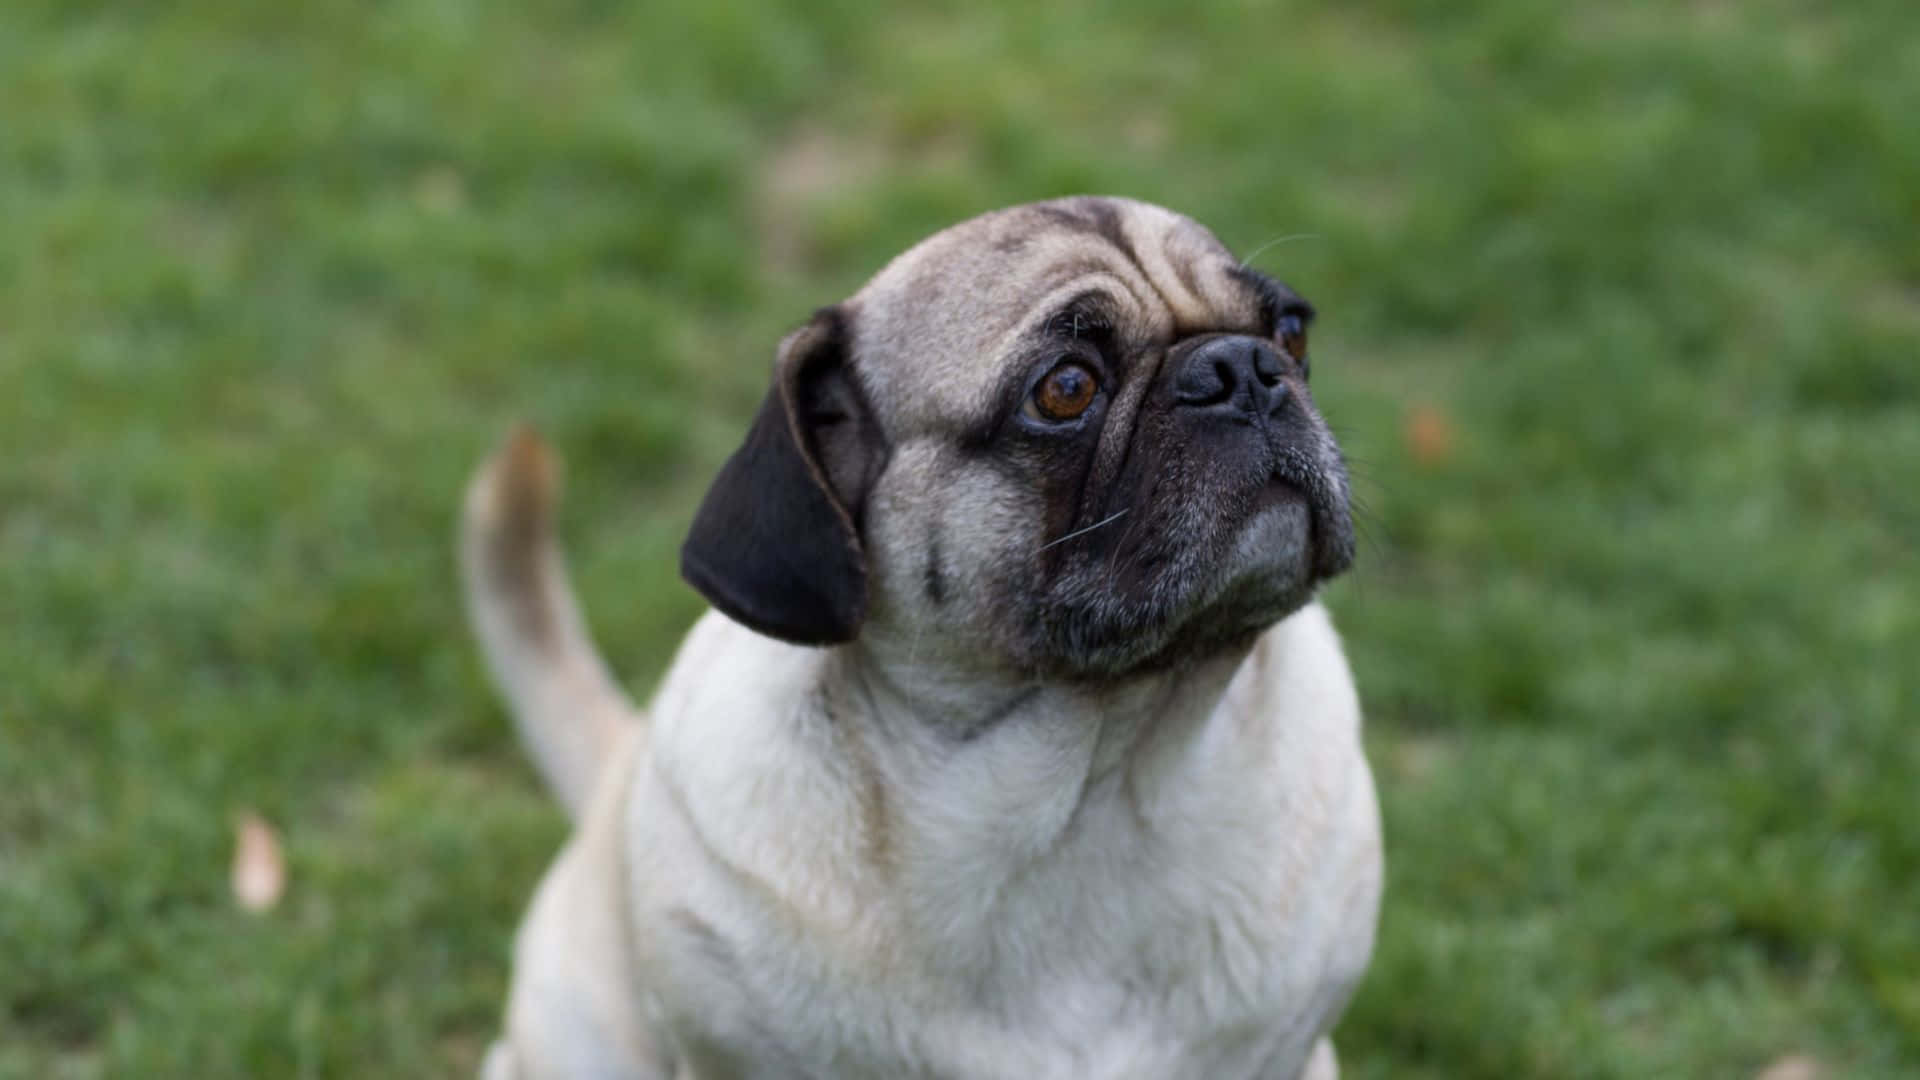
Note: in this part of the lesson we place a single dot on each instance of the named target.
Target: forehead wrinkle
(1110, 273)
(1177, 264)
(1074, 260)
(968, 293)
(1072, 287)
(1162, 260)
(1181, 307)
(988, 396)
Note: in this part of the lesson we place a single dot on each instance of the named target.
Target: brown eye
(1066, 392)
(1292, 333)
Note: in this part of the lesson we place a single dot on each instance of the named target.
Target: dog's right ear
(776, 543)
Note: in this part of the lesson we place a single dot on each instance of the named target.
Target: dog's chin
(1269, 571)
(1266, 575)
(1213, 602)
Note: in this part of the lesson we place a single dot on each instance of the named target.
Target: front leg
(1321, 1065)
(503, 1063)
(574, 1009)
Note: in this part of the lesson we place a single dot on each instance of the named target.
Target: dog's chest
(1121, 954)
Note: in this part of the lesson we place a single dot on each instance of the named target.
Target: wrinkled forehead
(934, 329)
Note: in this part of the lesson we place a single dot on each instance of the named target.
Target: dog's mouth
(1329, 519)
(1188, 573)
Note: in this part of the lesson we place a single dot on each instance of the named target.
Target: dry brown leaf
(1792, 1067)
(259, 869)
(1429, 434)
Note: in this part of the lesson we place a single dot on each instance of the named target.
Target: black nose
(1230, 373)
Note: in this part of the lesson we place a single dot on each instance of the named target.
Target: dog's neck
(986, 774)
(948, 711)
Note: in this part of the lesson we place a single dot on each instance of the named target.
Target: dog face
(1071, 439)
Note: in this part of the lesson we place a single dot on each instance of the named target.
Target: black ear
(776, 543)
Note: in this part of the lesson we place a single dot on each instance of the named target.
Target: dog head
(1072, 439)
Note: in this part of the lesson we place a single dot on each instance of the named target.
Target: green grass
(1640, 646)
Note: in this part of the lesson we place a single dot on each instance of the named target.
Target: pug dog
(1015, 744)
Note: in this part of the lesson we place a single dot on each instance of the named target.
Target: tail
(568, 709)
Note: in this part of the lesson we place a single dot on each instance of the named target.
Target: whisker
(1248, 261)
(1117, 515)
(1369, 527)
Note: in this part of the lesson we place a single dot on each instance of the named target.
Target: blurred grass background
(1621, 322)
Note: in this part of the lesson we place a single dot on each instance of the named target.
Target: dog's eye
(1292, 333)
(1066, 393)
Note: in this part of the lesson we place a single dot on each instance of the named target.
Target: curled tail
(567, 707)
